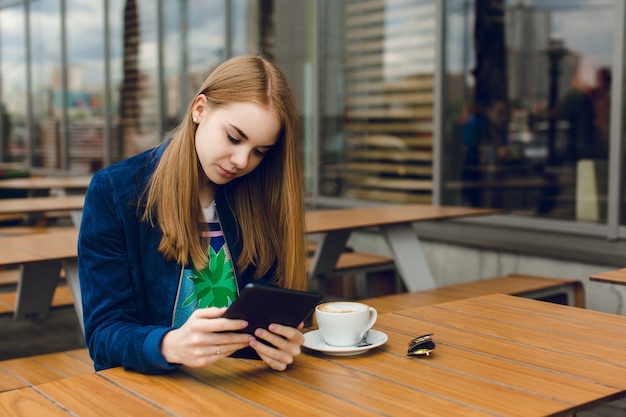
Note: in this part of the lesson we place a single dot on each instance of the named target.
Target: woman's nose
(239, 159)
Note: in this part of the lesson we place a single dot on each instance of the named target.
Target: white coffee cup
(343, 323)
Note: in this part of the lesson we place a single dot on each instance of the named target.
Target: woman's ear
(199, 107)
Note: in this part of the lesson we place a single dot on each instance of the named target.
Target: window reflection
(139, 111)
(205, 39)
(15, 132)
(527, 112)
(377, 100)
(85, 63)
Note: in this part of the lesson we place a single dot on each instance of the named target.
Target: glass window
(15, 135)
(143, 130)
(175, 51)
(526, 115)
(376, 105)
(134, 76)
(243, 39)
(205, 40)
(85, 89)
(193, 42)
(287, 33)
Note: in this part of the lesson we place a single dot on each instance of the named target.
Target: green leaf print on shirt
(215, 285)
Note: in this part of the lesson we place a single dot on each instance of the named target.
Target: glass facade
(527, 106)
(14, 84)
(376, 94)
(494, 103)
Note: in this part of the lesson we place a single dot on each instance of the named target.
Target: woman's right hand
(205, 338)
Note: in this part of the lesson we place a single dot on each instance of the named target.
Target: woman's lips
(224, 173)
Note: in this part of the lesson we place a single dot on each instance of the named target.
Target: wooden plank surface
(332, 386)
(41, 204)
(92, 395)
(39, 369)
(617, 276)
(56, 244)
(28, 402)
(319, 221)
(496, 355)
(510, 284)
(46, 183)
(60, 243)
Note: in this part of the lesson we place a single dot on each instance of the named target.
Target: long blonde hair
(268, 203)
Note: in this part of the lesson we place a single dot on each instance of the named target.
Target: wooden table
(617, 276)
(396, 225)
(46, 186)
(496, 355)
(40, 257)
(42, 185)
(39, 205)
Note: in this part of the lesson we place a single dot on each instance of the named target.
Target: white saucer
(313, 340)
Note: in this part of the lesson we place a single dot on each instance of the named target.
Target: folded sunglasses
(421, 345)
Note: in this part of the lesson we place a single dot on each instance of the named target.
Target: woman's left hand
(286, 340)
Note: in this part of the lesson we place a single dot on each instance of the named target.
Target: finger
(209, 312)
(209, 323)
(274, 364)
(292, 334)
(229, 348)
(211, 354)
(290, 348)
(274, 358)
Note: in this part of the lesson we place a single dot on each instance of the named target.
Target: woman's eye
(232, 139)
(260, 153)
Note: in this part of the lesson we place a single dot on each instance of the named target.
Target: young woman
(170, 236)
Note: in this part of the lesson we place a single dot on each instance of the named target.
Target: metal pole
(29, 86)
(108, 122)
(65, 134)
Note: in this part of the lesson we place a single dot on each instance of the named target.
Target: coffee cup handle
(373, 317)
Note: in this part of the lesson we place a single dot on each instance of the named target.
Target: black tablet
(262, 305)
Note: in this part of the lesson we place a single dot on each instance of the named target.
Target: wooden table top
(56, 243)
(496, 355)
(617, 276)
(41, 204)
(16, 249)
(43, 183)
(318, 221)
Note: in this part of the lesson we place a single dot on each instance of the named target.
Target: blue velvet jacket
(128, 288)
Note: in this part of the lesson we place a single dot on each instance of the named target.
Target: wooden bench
(62, 298)
(20, 230)
(8, 283)
(40, 254)
(358, 264)
(570, 291)
(9, 278)
(39, 369)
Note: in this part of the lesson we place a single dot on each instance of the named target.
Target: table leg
(35, 289)
(71, 275)
(77, 217)
(329, 248)
(410, 261)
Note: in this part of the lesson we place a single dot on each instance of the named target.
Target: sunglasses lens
(419, 352)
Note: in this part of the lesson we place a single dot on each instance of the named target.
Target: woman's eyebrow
(243, 135)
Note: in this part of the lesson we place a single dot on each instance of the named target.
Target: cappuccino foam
(341, 307)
